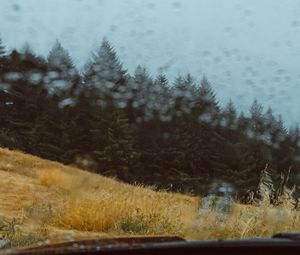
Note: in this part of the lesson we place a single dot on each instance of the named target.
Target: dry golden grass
(55, 178)
(51, 200)
(245, 222)
(45, 193)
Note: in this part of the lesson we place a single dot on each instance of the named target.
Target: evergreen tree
(2, 49)
(162, 100)
(184, 91)
(162, 80)
(279, 132)
(66, 78)
(48, 133)
(141, 96)
(243, 125)
(294, 134)
(3, 61)
(60, 60)
(80, 123)
(256, 119)
(23, 95)
(104, 70)
(269, 124)
(207, 106)
(117, 157)
(230, 115)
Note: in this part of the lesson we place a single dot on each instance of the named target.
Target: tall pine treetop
(2, 48)
(207, 97)
(256, 110)
(230, 108)
(59, 58)
(104, 66)
(142, 76)
(162, 86)
(29, 55)
(269, 118)
(184, 88)
(294, 134)
(206, 90)
(185, 83)
(162, 80)
(26, 49)
(256, 118)
(230, 114)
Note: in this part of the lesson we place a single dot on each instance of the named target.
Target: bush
(8, 228)
(153, 223)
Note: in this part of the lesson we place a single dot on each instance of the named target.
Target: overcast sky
(247, 49)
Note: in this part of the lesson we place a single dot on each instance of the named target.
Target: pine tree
(117, 156)
(207, 105)
(2, 49)
(243, 125)
(66, 78)
(84, 120)
(269, 123)
(104, 70)
(193, 141)
(162, 80)
(184, 91)
(3, 62)
(48, 133)
(254, 153)
(25, 96)
(294, 134)
(230, 115)
(256, 119)
(140, 89)
(59, 59)
(280, 131)
(162, 101)
(27, 51)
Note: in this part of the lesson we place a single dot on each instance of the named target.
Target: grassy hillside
(42, 200)
(52, 199)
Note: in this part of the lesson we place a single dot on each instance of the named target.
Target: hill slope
(52, 199)
(43, 200)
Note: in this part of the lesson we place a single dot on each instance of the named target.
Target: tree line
(174, 135)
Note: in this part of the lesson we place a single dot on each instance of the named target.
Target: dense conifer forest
(140, 129)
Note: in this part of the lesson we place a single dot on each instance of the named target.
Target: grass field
(40, 200)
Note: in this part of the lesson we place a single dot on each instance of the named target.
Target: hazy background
(247, 49)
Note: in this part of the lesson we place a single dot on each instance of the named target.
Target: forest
(141, 129)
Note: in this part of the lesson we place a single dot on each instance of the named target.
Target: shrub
(154, 223)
